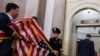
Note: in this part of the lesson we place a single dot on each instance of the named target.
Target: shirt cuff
(13, 33)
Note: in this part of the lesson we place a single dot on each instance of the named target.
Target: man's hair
(35, 17)
(10, 6)
(88, 35)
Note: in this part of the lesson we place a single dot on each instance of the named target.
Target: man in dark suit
(12, 12)
(55, 41)
(86, 47)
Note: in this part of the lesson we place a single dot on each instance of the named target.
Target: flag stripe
(32, 51)
(34, 34)
(15, 27)
(19, 49)
(22, 48)
(38, 28)
(25, 31)
(3, 35)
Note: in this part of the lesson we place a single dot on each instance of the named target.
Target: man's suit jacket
(86, 48)
(5, 45)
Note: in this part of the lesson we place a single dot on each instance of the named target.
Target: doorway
(78, 34)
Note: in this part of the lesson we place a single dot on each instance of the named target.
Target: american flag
(30, 31)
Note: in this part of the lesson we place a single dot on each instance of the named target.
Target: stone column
(48, 17)
(31, 8)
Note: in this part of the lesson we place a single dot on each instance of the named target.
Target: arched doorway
(83, 14)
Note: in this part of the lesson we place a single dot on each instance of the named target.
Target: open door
(77, 44)
(94, 30)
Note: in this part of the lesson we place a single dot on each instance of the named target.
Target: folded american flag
(30, 31)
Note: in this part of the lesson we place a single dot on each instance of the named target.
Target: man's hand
(17, 36)
(55, 52)
(61, 50)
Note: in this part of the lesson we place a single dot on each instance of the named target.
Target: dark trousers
(5, 48)
(52, 54)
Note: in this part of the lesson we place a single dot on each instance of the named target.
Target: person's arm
(92, 49)
(55, 52)
(4, 27)
(8, 30)
(60, 43)
(79, 47)
(18, 37)
(50, 42)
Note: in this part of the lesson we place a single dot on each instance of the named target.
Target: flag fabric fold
(29, 30)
